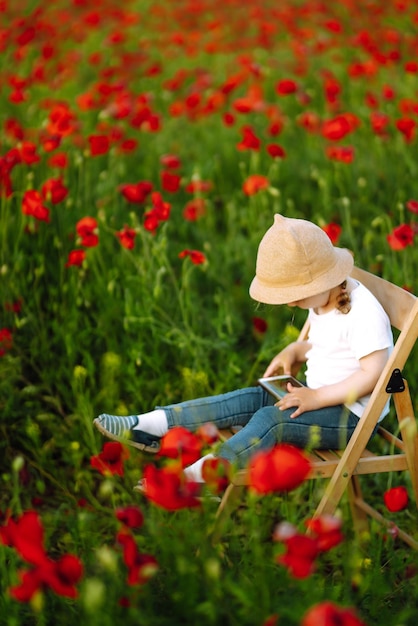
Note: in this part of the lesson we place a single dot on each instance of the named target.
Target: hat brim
(271, 294)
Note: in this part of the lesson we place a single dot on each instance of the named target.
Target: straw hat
(296, 260)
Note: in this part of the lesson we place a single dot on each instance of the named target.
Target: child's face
(317, 302)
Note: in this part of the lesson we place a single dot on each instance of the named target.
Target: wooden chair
(343, 467)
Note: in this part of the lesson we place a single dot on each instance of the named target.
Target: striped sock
(118, 425)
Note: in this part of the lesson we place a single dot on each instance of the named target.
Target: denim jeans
(264, 424)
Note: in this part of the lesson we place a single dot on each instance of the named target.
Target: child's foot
(121, 428)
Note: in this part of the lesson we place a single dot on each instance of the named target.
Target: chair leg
(229, 502)
(408, 429)
(360, 518)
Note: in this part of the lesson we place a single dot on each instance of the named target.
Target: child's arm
(359, 384)
(291, 355)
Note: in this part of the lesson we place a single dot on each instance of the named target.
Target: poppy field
(144, 148)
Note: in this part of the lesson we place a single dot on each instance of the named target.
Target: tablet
(277, 385)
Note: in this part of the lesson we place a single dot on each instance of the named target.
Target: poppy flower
(194, 209)
(60, 160)
(199, 186)
(412, 205)
(216, 474)
(300, 555)
(344, 154)
(32, 204)
(196, 257)
(285, 87)
(255, 183)
(328, 614)
(26, 536)
(338, 127)
(86, 229)
(28, 153)
(327, 530)
(54, 190)
(136, 193)
(126, 237)
(131, 516)
(401, 237)
(141, 567)
(180, 443)
(170, 161)
(76, 257)
(282, 468)
(406, 126)
(396, 499)
(168, 488)
(110, 460)
(170, 182)
(6, 341)
(249, 140)
(99, 144)
(259, 325)
(276, 151)
(333, 231)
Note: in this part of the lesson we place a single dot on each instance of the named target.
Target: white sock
(154, 423)
(194, 471)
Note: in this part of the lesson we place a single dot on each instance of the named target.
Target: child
(349, 342)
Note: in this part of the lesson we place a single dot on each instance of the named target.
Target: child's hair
(343, 299)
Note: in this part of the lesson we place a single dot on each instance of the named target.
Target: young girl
(349, 342)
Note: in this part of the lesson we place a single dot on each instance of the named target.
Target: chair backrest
(396, 301)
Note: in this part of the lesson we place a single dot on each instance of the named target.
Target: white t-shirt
(340, 340)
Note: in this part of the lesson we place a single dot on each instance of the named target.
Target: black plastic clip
(396, 382)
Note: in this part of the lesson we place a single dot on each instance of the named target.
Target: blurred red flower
(338, 127)
(196, 257)
(259, 325)
(276, 151)
(86, 229)
(180, 443)
(170, 161)
(170, 182)
(333, 231)
(131, 516)
(345, 154)
(379, 122)
(412, 205)
(327, 531)
(168, 488)
(216, 474)
(28, 153)
(300, 555)
(136, 192)
(249, 140)
(32, 204)
(401, 237)
(6, 341)
(76, 257)
(111, 460)
(396, 499)
(255, 183)
(329, 614)
(286, 86)
(194, 209)
(60, 160)
(282, 468)
(126, 237)
(406, 126)
(99, 144)
(141, 567)
(54, 190)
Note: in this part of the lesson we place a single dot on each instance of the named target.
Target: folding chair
(343, 467)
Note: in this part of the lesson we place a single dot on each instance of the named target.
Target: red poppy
(338, 127)
(110, 460)
(126, 237)
(249, 140)
(401, 237)
(300, 555)
(396, 499)
(329, 614)
(194, 209)
(60, 160)
(99, 144)
(28, 153)
(333, 231)
(170, 161)
(26, 536)
(327, 530)
(86, 229)
(54, 190)
(199, 186)
(276, 151)
(141, 567)
(379, 122)
(344, 154)
(310, 121)
(136, 193)
(168, 488)
(196, 257)
(216, 474)
(50, 143)
(407, 126)
(32, 204)
(170, 182)
(76, 257)
(259, 325)
(412, 205)
(180, 443)
(131, 516)
(6, 341)
(286, 86)
(255, 183)
(282, 468)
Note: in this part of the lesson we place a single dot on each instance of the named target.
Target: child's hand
(303, 398)
(282, 362)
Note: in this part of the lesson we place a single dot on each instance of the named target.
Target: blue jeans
(264, 424)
